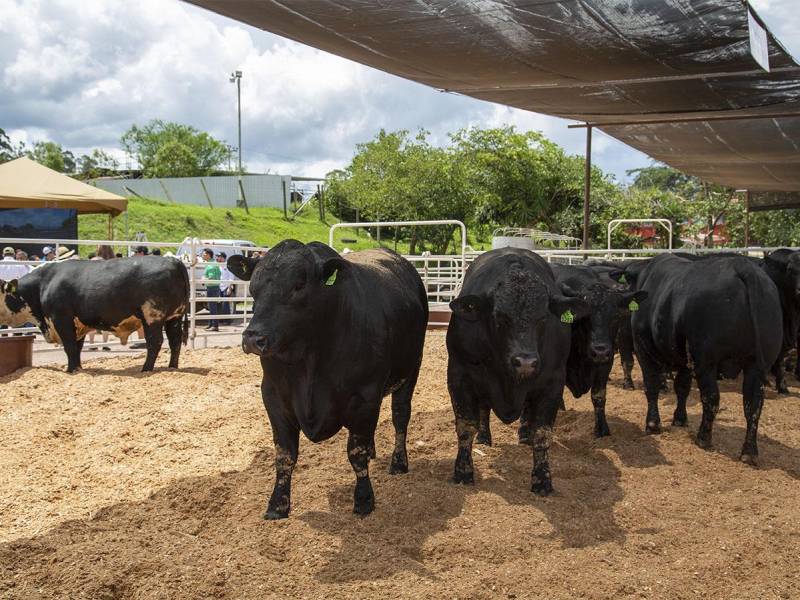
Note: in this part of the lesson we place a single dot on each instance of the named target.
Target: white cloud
(82, 76)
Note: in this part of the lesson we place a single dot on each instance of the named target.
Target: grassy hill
(164, 222)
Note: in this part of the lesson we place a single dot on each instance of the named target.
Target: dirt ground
(117, 484)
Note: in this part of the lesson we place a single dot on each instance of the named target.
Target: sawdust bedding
(118, 484)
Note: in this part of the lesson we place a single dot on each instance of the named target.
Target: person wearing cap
(48, 254)
(9, 267)
(212, 273)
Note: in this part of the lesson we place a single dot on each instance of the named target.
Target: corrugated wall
(221, 192)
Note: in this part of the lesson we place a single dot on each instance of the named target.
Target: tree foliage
(165, 149)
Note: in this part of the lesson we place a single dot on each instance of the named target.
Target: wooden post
(587, 187)
(283, 192)
(747, 219)
(110, 227)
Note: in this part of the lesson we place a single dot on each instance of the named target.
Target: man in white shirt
(13, 270)
(225, 283)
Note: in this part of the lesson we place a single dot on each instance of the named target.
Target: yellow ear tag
(633, 306)
(568, 316)
(332, 279)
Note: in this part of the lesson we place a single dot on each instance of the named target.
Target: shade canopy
(25, 183)
(598, 61)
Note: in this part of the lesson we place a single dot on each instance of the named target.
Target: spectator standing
(9, 268)
(213, 274)
(225, 283)
(103, 253)
(48, 254)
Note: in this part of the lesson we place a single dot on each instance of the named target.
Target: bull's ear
(569, 309)
(241, 266)
(331, 269)
(630, 301)
(468, 307)
(620, 276)
(11, 287)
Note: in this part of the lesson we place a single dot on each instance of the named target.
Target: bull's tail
(185, 331)
(755, 300)
(187, 284)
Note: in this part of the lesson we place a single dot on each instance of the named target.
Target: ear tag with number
(633, 306)
(332, 279)
(567, 316)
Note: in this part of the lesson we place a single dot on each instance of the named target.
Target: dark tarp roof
(591, 60)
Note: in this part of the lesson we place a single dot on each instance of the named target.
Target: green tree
(53, 156)
(165, 149)
(7, 149)
(97, 164)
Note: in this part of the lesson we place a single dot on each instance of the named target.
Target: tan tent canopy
(27, 184)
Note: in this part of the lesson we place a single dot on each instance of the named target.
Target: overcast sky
(81, 73)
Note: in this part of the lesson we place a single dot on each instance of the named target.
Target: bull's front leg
(286, 437)
(362, 422)
(466, 411)
(544, 418)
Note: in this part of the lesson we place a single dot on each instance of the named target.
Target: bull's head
(14, 311)
(287, 286)
(609, 305)
(514, 316)
(787, 262)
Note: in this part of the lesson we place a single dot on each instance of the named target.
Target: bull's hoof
(627, 385)
(399, 464)
(542, 487)
(145, 369)
(463, 477)
(600, 432)
(653, 428)
(364, 506)
(703, 442)
(680, 421)
(273, 514)
(750, 459)
(484, 439)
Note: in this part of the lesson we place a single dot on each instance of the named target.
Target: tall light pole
(236, 77)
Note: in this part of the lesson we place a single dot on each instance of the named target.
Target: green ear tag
(332, 278)
(622, 279)
(633, 306)
(568, 316)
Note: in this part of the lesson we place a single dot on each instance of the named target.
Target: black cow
(335, 335)
(711, 316)
(783, 268)
(625, 333)
(70, 298)
(508, 350)
(594, 337)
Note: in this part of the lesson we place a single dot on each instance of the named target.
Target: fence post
(192, 291)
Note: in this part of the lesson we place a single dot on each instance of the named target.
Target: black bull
(335, 335)
(508, 349)
(715, 316)
(70, 298)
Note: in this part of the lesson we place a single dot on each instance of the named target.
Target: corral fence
(442, 275)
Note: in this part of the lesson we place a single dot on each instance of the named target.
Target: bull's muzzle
(254, 343)
(600, 353)
(525, 365)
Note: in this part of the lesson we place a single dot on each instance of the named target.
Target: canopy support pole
(587, 186)
(110, 227)
(747, 218)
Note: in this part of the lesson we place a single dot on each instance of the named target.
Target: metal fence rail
(442, 275)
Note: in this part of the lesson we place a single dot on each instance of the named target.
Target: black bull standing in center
(508, 350)
(335, 335)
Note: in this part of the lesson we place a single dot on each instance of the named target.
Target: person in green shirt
(214, 274)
